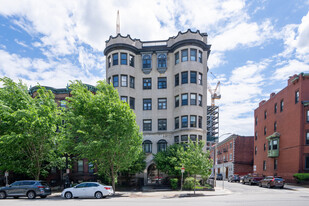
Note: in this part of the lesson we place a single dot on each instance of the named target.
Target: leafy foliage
(174, 183)
(189, 183)
(301, 176)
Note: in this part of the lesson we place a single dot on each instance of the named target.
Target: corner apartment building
(164, 82)
(281, 142)
(234, 155)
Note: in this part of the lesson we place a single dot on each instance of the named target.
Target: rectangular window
(176, 80)
(193, 77)
(193, 121)
(109, 80)
(124, 80)
(269, 145)
(115, 59)
(265, 130)
(184, 121)
(264, 165)
(193, 54)
(177, 101)
(193, 137)
(296, 97)
(115, 81)
(177, 58)
(184, 99)
(256, 135)
(231, 145)
(200, 138)
(162, 103)
(231, 157)
(275, 164)
(176, 139)
(176, 122)
(124, 59)
(162, 124)
(109, 61)
(200, 103)
(161, 61)
(80, 166)
(146, 83)
(200, 122)
(124, 98)
(275, 108)
(184, 77)
(200, 56)
(307, 163)
(200, 78)
(307, 138)
(132, 102)
(162, 83)
(146, 61)
(281, 105)
(192, 99)
(146, 104)
(265, 114)
(131, 60)
(132, 82)
(264, 147)
(275, 126)
(147, 125)
(90, 168)
(255, 150)
(307, 115)
(184, 55)
(275, 144)
(256, 121)
(184, 138)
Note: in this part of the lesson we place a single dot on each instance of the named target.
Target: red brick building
(234, 155)
(281, 142)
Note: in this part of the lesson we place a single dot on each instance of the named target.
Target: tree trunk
(194, 182)
(113, 179)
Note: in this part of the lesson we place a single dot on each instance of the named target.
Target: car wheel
(43, 196)
(268, 186)
(250, 183)
(282, 187)
(98, 195)
(2, 195)
(260, 184)
(68, 195)
(31, 195)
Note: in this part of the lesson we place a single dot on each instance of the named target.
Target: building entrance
(153, 175)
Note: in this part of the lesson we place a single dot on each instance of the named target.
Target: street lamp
(215, 157)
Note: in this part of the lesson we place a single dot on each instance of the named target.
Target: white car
(88, 189)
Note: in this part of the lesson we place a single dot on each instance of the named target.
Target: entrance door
(226, 172)
(153, 176)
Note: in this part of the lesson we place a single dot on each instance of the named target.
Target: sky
(255, 45)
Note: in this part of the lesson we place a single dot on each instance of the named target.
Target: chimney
(261, 103)
(291, 78)
(272, 95)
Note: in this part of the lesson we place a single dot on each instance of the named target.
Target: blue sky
(256, 45)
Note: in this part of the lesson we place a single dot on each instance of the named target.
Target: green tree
(103, 128)
(28, 126)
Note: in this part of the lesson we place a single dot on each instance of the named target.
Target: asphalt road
(233, 194)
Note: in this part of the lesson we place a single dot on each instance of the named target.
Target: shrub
(189, 183)
(174, 183)
(301, 176)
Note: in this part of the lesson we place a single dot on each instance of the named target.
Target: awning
(273, 136)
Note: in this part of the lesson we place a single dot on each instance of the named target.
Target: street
(233, 194)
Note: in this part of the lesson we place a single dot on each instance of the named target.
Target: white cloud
(292, 67)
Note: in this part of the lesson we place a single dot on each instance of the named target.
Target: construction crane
(215, 93)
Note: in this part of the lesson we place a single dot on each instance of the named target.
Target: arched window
(162, 144)
(162, 61)
(147, 146)
(146, 61)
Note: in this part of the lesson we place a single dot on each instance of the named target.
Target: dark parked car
(252, 179)
(271, 181)
(28, 188)
(234, 178)
(219, 177)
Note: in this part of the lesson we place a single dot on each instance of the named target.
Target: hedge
(174, 183)
(301, 176)
(189, 183)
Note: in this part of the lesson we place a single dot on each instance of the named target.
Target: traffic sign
(6, 174)
(182, 170)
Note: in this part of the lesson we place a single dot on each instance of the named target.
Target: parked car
(252, 179)
(234, 178)
(219, 177)
(28, 188)
(88, 189)
(271, 181)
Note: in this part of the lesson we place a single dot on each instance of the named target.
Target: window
(193, 54)
(265, 130)
(147, 125)
(109, 80)
(200, 138)
(90, 167)
(147, 146)
(275, 126)
(184, 99)
(192, 99)
(275, 144)
(281, 105)
(177, 58)
(124, 80)
(124, 98)
(264, 165)
(184, 55)
(80, 166)
(131, 60)
(184, 121)
(200, 122)
(109, 62)
(275, 108)
(193, 77)
(176, 80)
(124, 59)
(162, 61)
(256, 121)
(162, 144)
(146, 61)
(275, 164)
(193, 137)
(200, 79)
(231, 157)
(162, 103)
(132, 82)
(146, 104)
(255, 150)
(115, 81)
(162, 124)
(162, 83)
(200, 97)
(176, 122)
(184, 138)
(307, 115)
(177, 101)
(193, 121)
(231, 145)
(256, 135)
(176, 139)
(269, 145)
(307, 163)
(200, 56)
(146, 83)
(132, 102)
(307, 138)
(184, 77)
(115, 59)
(296, 97)
(265, 114)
